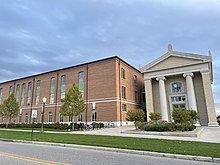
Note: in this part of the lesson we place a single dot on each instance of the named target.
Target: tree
(73, 103)
(182, 116)
(136, 115)
(9, 108)
(155, 116)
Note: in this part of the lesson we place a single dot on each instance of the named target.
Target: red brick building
(110, 88)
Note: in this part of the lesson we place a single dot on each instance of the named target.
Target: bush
(155, 116)
(182, 116)
(136, 115)
(165, 126)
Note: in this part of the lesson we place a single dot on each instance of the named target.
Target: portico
(177, 80)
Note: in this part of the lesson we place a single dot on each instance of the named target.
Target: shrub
(155, 116)
(136, 115)
(194, 115)
(181, 115)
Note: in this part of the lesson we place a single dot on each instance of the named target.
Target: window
(136, 96)
(178, 98)
(124, 107)
(70, 119)
(20, 118)
(135, 79)
(94, 115)
(123, 92)
(123, 73)
(61, 117)
(38, 92)
(81, 82)
(52, 83)
(80, 117)
(63, 87)
(26, 117)
(0, 94)
(177, 87)
(50, 117)
(22, 94)
(10, 90)
(17, 92)
(29, 93)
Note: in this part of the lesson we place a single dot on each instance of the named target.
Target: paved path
(208, 134)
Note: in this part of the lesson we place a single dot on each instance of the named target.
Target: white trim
(87, 102)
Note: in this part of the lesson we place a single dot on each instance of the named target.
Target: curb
(136, 152)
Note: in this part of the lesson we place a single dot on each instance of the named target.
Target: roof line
(69, 67)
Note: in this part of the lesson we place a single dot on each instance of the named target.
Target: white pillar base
(213, 124)
(197, 124)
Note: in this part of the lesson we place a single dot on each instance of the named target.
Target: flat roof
(56, 70)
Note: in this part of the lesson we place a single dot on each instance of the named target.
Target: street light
(42, 115)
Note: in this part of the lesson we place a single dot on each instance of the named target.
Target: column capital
(204, 71)
(147, 79)
(161, 78)
(188, 74)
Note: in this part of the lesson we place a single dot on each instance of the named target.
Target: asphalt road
(21, 154)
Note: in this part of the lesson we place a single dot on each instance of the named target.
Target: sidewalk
(204, 134)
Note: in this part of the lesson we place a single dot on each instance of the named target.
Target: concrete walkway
(204, 134)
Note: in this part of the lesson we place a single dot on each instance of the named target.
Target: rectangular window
(135, 79)
(10, 90)
(50, 117)
(81, 82)
(80, 117)
(0, 94)
(17, 92)
(123, 92)
(20, 118)
(61, 117)
(22, 94)
(94, 115)
(52, 84)
(124, 107)
(26, 118)
(37, 92)
(136, 96)
(70, 119)
(123, 73)
(29, 93)
(63, 87)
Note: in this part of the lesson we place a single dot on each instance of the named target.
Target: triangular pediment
(175, 59)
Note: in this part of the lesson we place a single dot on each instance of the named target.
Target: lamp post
(42, 114)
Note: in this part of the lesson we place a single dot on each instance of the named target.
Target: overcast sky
(42, 35)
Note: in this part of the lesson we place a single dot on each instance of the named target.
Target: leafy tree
(194, 115)
(182, 116)
(136, 115)
(9, 109)
(155, 116)
(73, 103)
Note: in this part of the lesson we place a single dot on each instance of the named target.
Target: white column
(163, 98)
(148, 97)
(191, 93)
(209, 98)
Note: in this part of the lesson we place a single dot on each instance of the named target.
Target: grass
(156, 145)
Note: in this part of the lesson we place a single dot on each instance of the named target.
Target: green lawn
(165, 146)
